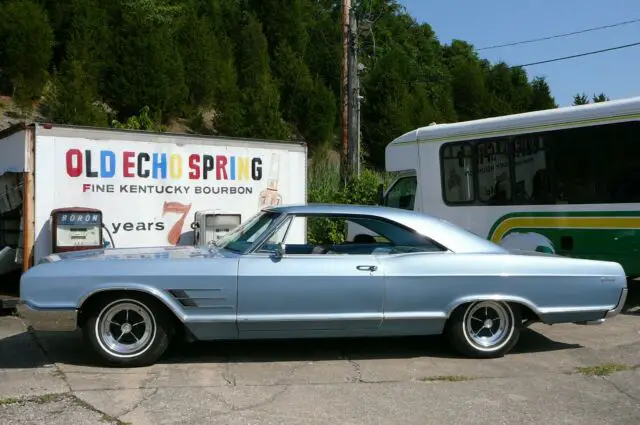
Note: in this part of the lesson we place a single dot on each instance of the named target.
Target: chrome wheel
(488, 325)
(125, 328)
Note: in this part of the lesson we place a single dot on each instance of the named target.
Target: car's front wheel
(130, 331)
(484, 329)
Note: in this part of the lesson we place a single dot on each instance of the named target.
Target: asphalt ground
(561, 374)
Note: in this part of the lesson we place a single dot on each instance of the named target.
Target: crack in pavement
(153, 375)
(228, 376)
(357, 370)
(138, 404)
(622, 390)
(58, 371)
(258, 405)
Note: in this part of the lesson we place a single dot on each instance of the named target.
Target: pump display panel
(74, 230)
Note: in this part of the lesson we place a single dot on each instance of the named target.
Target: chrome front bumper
(62, 320)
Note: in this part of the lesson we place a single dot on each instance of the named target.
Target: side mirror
(280, 250)
(380, 194)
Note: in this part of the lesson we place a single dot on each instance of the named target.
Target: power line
(594, 52)
(562, 35)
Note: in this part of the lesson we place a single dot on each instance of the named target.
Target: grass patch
(52, 398)
(40, 399)
(8, 401)
(604, 369)
(447, 378)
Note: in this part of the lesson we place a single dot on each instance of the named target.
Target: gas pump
(76, 229)
(210, 225)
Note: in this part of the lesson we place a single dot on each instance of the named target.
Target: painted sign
(149, 192)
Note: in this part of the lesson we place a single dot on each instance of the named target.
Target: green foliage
(600, 98)
(582, 99)
(250, 68)
(26, 42)
(542, 98)
(325, 185)
(143, 121)
(72, 99)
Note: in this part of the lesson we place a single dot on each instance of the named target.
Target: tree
(260, 96)
(149, 69)
(26, 43)
(580, 99)
(251, 68)
(306, 101)
(467, 81)
(75, 98)
(542, 98)
(600, 98)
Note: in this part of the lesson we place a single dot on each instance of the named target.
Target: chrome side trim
(62, 320)
(621, 301)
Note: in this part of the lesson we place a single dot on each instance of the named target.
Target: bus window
(493, 172)
(457, 167)
(402, 194)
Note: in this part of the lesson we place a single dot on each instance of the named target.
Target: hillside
(258, 68)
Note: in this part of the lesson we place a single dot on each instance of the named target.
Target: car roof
(451, 236)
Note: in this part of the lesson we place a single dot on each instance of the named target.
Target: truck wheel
(128, 331)
(484, 329)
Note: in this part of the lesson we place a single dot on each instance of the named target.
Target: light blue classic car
(411, 274)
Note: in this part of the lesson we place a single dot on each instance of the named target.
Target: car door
(301, 293)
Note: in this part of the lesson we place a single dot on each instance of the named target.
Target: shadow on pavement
(67, 348)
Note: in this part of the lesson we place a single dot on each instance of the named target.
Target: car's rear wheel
(485, 329)
(130, 331)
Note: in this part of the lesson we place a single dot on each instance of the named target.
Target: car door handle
(368, 268)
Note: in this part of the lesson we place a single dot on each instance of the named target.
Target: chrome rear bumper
(611, 313)
(63, 320)
(620, 306)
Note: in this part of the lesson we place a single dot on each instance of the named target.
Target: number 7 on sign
(176, 229)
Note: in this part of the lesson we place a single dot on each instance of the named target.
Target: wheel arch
(528, 310)
(95, 295)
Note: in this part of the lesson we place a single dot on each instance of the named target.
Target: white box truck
(67, 188)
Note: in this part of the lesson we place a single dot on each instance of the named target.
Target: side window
(597, 164)
(403, 194)
(280, 234)
(457, 178)
(531, 170)
(583, 165)
(327, 234)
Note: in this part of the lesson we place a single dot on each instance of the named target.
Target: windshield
(242, 237)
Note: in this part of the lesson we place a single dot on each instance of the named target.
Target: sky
(487, 23)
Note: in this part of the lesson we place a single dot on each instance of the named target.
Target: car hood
(162, 252)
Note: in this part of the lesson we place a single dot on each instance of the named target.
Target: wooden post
(28, 200)
(346, 7)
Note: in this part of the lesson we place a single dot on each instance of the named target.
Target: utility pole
(346, 8)
(353, 85)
